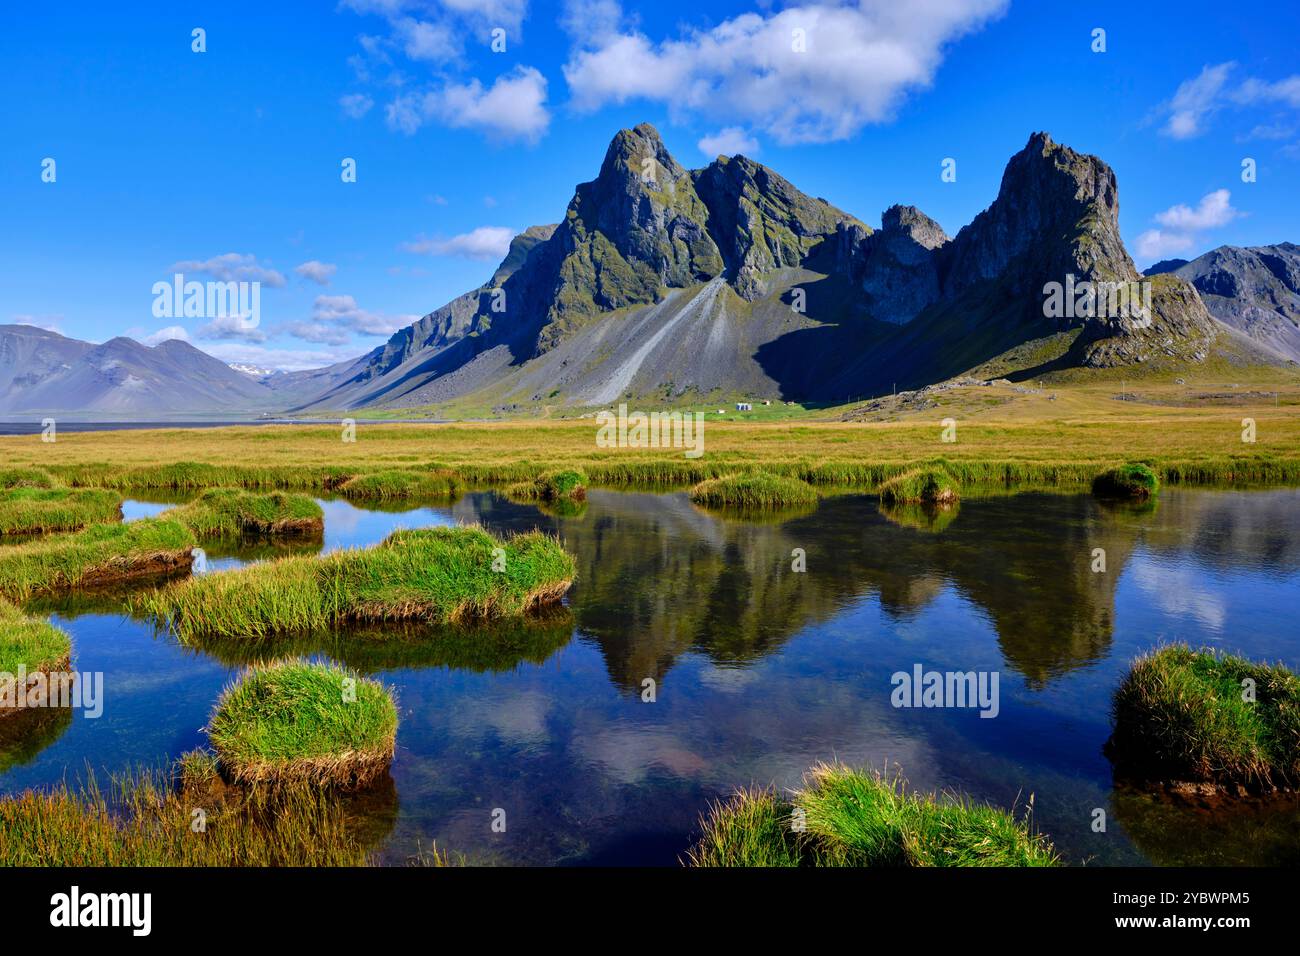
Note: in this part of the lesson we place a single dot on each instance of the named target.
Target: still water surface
(759, 671)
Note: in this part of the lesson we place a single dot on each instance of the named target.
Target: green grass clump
(1183, 716)
(231, 512)
(146, 821)
(1126, 481)
(31, 510)
(26, 478)
(553, 486)
(297, 721)
(30, 642)
(844, 817)
(396, 483)
(437, 575)
(757, 492)
(100, 554)
(931, 486)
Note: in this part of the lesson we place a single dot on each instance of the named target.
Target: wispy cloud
(1182, 225)
(335, 317)
(356, 105)
(1189, 111)
(485, 242)
(232, 267)
(423, 35)
(316, 271)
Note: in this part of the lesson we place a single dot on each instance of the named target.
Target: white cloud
(237, 327)
(422, 40)
(1157, 244)
(232, 267)
(728, 142)
(333, 316)
(1205, 94)
(811, 73)
(1196, 99)
(512, 108)
(428, 33)
(504, 13)
(165, 335)
(485, 242)
(356, 105)
(316, 271)
(1286, 92)
(1214, 209)
(1182, 225)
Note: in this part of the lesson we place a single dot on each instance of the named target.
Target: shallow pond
(759, 670)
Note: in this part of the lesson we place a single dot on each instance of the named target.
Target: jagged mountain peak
(919, 227)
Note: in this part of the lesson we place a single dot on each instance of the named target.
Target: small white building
(744, 407)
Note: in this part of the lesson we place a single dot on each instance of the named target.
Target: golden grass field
(1054, 435)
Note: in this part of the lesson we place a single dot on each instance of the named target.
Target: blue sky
(228, 161)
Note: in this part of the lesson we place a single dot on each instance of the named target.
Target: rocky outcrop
(899, 271)
(761, 222)
(1253, 290)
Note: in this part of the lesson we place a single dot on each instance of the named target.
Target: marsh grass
(233, 512)
(297, 721)
(754, 492)
(852, 818)
(569, 484)
(26, 478)
(399, 483)
(929, 486)
(103, 554)
(435, 575)
(1133, 480)
(145, 820)
(30, 643)
(1181, 716)
(28, 509)
(99, 554)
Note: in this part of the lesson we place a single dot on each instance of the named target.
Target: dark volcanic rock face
(899, 271)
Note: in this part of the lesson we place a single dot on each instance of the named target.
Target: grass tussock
(844, 817)
(568, 484)
(398, 483)
(233, 512)
(928, 486)
(26, 478)
(30, 510)
(31, 644)
(145, 820)
(100, 554)
(755, 492)
(1127, 481)
(1188, 717)
(436, 575)
(300, 722)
